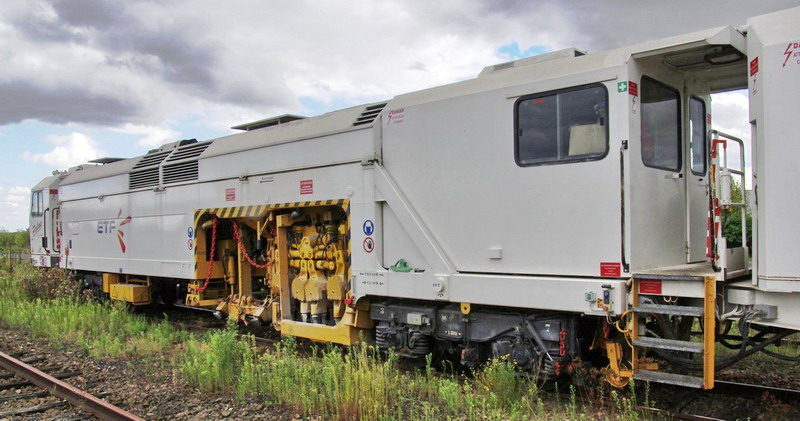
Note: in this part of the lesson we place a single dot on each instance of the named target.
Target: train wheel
(614, 379)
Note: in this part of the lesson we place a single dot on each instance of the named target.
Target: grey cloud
(89, 13)
(188, 65)
(24, 100)
(108, 25)
(610, 24)
(37, 28)
(182, 61)
(600, 25)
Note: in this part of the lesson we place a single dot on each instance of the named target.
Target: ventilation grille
(369, 114)
(144, 178)
(185, 171)
(189, 151)
(151, 159)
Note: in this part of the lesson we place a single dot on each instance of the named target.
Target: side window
(661, 122)
(697, 144)
(561, 126)
(36, 203)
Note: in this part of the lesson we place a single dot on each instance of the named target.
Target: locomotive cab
(667, 166)
(45, 223)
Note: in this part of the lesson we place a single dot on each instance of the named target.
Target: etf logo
(109, 226)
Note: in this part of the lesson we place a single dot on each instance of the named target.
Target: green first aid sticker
(622, 86)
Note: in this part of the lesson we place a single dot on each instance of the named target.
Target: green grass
(100, 329)
(329, 382)
(355, 383)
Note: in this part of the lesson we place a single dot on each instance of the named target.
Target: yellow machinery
(128, 289)
(287, 264)
(626, 346)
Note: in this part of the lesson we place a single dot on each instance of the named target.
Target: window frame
(556, 92)
(37, 198)
(704, 138)
(679, 126)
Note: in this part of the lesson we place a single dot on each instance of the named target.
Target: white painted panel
(156, 238)
(93, 188)
(774, 41)
(454, 162)
(343, 147)
(657, 197)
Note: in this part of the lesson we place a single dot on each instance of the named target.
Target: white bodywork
(435, 173)
(774, 54)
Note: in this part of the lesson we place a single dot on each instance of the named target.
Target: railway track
(722, 389)
(69, 395)
(685, 404)
(756, 391)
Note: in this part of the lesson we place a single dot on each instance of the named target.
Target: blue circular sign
(190, 232)
(369, 227)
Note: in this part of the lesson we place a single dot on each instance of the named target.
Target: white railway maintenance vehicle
(560, 209)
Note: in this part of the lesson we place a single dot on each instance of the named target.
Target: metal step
(669, 309)
(669, 378)
(670, 344)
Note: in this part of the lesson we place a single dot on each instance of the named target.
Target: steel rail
(754, 390)
(78, 398)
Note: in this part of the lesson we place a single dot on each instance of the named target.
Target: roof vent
(144, 178)
(274, 121)
(150, 159)
(183, 171)
(369, 114)
(192, 150)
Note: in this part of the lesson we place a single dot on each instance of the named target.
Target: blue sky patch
(513, 52)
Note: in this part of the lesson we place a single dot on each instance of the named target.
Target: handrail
(716, 134)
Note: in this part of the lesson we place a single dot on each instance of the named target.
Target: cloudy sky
(82, 79)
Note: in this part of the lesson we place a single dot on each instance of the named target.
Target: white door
(696, 174)
(658, 196)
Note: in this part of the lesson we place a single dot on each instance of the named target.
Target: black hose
(759, 341)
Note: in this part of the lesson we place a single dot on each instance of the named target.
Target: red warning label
(306, 186)
(610, 269)
(230, 195)
(633, 88)
(753, 66)
(650, 286)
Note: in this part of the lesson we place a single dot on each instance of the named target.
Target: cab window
(37, 203)
(661, 122)
(562, 126)
(697, 144)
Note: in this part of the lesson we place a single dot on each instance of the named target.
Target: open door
(56, 230)
(696, 174)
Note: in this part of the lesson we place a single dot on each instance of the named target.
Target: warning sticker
(396, 116)
(754, 66)
(633, 88)
(230, 195)
(369, 227)
(610, 269)
(650, 286)
(791, 55)
(369, 244)
(306, 186)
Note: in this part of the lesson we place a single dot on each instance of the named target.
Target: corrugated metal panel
(144, 178)
(184, 171)
(369, 114)
(189, 151)
(151, 159)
